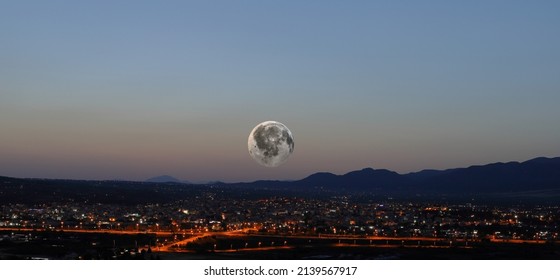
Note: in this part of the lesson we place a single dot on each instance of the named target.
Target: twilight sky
(135, 89)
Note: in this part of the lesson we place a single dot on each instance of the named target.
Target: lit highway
(339, 240)
(158, 233)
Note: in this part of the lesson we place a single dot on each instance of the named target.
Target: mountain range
(532, 175)
(539, 176)
(165, 179)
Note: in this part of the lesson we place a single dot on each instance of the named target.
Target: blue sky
(134, 89)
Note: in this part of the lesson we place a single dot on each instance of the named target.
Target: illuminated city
(220, 222)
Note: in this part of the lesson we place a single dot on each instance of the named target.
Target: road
(173, 247)
(158, 233)
(389, 241)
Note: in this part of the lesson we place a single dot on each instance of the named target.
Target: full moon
(270, 143)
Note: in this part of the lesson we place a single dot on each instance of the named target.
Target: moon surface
(270, 143)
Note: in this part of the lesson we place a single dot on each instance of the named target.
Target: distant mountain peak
(164, 179)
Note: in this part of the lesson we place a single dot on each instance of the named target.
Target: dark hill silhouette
(539, 176)
(165, 179)
(365, 179)
(426, 174)
(536, 174)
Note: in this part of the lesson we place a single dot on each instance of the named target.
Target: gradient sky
(134, 89)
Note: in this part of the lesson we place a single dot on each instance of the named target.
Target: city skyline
(132, 90)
